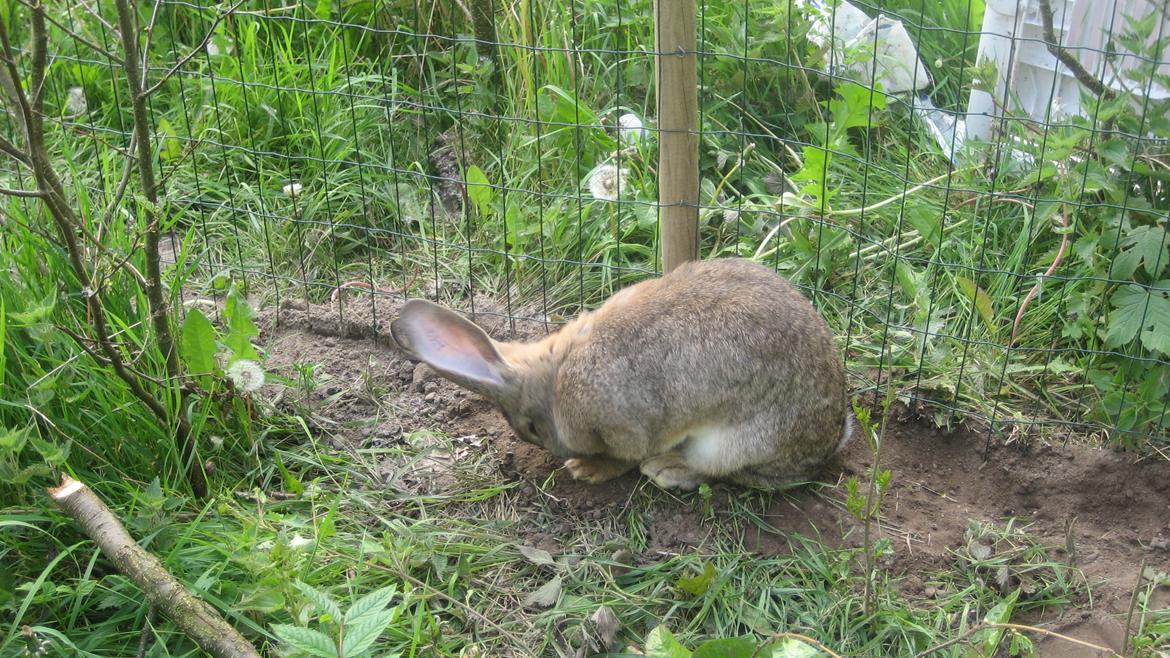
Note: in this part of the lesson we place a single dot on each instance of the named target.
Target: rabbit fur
(719, 370)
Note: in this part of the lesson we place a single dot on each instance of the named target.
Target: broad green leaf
(12, 441)
(32, 316)
(982, 300)
(1125, 263)
(479, 190)
(1116, 151)
(536, 556)
(362, 635)
(325, 605)
(698, 585)
(314, 643)
(241, 329)
(791, 647)
(1142, 312)
(19, 478)
(52, 452)
(263, 597)
(567, 108)
(1000, 614)
(291, 482)
(169, 147)
(197, 343)
(370, 604)
(661, 643)
(731, 647)
(857, 107)
(546, 596)
(1148, 245)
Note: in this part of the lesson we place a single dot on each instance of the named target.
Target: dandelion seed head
(607, 182)
(246, 375)
(292, 190)
(76, 102)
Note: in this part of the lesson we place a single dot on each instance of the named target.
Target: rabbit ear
(450, 344)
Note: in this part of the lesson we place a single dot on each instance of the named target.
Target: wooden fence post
(677, 93)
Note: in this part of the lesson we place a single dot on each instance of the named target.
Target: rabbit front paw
(596, 470)
(670, 471)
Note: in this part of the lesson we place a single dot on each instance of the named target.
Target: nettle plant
(213, 357)
(1106, 174)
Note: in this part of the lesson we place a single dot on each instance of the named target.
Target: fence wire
(1014, 277)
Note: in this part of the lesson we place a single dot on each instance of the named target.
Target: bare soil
(1100, 511)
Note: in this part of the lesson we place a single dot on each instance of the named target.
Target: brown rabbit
(720, 370)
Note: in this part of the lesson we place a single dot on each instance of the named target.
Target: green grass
(347, 100)
(461, 580)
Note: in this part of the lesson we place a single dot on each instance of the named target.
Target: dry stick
(1051, 269)
(1016, 627)
(201, 622)
(28, 194)
(144, 93)
(63, 215)
(146, 639)
(72, 34)
(1079, 72)
(1137, 587)
(366, 286)
(159, 311)
(804, 638)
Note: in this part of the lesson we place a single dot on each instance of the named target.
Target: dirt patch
(1101, 512)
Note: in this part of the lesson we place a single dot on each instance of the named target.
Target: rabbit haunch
(720, 370)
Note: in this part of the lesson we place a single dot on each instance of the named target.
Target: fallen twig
(1051, 269)
(808, 640)
(1016, 627)
(366, 286)
(194, 616)
(1072, 63)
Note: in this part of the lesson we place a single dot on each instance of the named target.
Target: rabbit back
(722, 360)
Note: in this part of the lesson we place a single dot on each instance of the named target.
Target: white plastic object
(865, 49)
(1040, 86)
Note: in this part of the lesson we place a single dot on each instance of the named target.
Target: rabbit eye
(532, 427)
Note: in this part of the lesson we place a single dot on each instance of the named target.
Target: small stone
(430, 397)
(422, 375)
(1159, 543)
(930, 592)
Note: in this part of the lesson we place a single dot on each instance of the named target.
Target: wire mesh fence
(991, 244)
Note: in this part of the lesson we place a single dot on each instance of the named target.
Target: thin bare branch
(39, 65)
(73, 34)
(10, 80)
(160, 315)
(123, 183)
(13, 151)
(27, 194)
(68, 224)
(145, 64)
(200, 48)
(1071, 62)
(96, 15)
(83, 343)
